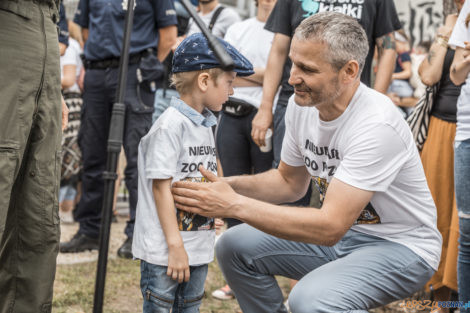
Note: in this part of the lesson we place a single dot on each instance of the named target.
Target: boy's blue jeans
(161, 293)
(462, 193)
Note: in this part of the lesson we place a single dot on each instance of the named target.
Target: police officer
(30, 136)
(153, 34)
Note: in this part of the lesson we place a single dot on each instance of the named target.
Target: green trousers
(30, 133)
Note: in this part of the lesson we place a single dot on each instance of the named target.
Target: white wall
(420, 18)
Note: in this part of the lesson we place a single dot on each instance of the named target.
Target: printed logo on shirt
(321, 152)
(352, 8)
(198, 151)
(368, 215)
(322, 186)
(191, 221)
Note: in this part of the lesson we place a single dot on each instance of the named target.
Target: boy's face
(219, 90)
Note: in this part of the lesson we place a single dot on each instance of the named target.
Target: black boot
(126, 249)
(79, 243)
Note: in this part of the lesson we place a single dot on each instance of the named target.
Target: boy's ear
(203, 81)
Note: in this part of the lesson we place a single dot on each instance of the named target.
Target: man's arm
(84, 34)
(178, 265)
(167, 40)
(272, 78)
(386, 61)
(343, 204)
(254, 80)
(460, 67)
(282, 185)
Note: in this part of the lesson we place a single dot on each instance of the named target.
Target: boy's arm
(178, 264)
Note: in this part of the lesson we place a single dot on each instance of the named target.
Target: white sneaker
(66, 217)
(286, 304)
(224, 293)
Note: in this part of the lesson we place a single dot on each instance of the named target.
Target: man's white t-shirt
(370, 147)
(254, 42)
(460, 34)
(178, 142)
(72, 57)
(227, 17)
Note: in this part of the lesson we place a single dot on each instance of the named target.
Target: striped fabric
(419, 119)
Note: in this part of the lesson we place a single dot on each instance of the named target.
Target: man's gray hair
(344, 36)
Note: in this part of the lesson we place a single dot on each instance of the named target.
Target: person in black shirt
(379, 19)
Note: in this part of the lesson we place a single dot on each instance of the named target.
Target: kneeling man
(374, 240)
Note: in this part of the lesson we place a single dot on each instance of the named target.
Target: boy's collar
(206, 119)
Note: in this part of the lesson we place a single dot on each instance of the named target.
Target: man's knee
(237, 242)
(311, 299)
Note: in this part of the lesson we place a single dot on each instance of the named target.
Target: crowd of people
(302, 150)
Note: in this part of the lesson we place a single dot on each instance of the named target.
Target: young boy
(175, 247)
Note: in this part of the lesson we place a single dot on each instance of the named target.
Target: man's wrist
(238, 208)
(266, 107)
(441, 41)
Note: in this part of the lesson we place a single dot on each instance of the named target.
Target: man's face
(315, 81)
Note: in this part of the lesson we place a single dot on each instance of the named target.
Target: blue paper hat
(194, 54)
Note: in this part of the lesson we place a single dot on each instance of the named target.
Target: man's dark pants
(98, 98)
(30, 136)
(238, 153)
(279, 126)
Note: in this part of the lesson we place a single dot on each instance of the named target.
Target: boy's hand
(178, 264)
(219, 223)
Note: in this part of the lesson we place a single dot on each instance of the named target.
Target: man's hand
(260, 124)
(178, 264)
(65, 113)
(211, 200)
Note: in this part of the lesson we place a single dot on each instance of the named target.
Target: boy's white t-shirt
(72, 57)
(177, 143)
(460, 34)
(227, 17)
(254, 42)
(370, 147)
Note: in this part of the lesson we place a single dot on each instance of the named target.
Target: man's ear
(203, 81)
(350, 71)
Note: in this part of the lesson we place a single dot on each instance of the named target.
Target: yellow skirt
(438, 162)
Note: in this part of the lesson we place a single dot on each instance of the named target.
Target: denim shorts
(67, 193)
(161, 293)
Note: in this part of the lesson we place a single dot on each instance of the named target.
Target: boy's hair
(184, 81)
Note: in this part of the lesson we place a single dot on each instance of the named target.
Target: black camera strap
(215, 17)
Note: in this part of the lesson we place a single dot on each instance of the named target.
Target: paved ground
(117, 238)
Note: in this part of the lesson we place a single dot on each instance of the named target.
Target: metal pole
(116, 131)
